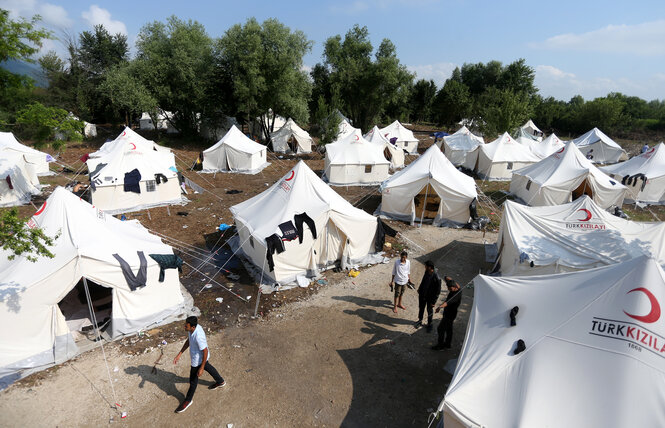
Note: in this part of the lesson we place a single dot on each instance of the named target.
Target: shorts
(399, 290)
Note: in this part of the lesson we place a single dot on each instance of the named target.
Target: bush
(41, 123)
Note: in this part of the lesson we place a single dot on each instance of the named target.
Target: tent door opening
(74, 307)
(583, 189)
(293, 144)
(387, 154)
(429, 204)
(329, 245)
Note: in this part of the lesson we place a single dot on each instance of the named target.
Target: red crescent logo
(588, 214)
(41, 209)
(291, 177)
(654, 314)
(562, 149)
(133, 146)
(124, 133)
(651, 150)
(357, 138)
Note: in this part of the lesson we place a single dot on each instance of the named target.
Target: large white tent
(564, 176)
(18, 182)
(593, 358)
(391, 152)
(497, 160)
(343, 233)
(531, 131)
(87, 240)
(345, 129)
(647, 170)
(113, 168)
(548, 146)
(235, 152)
(430, 187)
(600, 148)
(405, 138)
(352, 160)
(37, 162)
(291, 138)
(461, 148)
(574, 236)
(163, 122)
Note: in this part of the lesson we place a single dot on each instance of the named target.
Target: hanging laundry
(273, 244)
(288, 231)
(167, 261)
(299, 219)
(159, 177)
(132, 180)
(9, 182)
(382, 229)
(94, 175)
(134, 281)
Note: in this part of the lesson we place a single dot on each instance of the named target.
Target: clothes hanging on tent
(94, 175)
(167, 261)
(134, 281)
(132, 180)
(159, 177)
(9, 183)
(273, 244)
(382, 229)
(288, 231)
(299, 219)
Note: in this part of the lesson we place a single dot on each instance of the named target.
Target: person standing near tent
(401, 276)
(428, 293)
(645, 147)
(450, 306)
(199, 354)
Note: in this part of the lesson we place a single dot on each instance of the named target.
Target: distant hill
(26, 68)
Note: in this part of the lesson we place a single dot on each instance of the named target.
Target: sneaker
(429, 328)
(417, 324)
(217, 385)
(184, 406)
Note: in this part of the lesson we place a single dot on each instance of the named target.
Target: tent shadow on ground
(164, 380)
(447, 260)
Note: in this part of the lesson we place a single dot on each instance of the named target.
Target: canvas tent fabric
(405, 138)
(548, 146)
(37, 162)
(302, 141)
(575, 236)
(563, 176)
(455, 189)
(345, 129)
(600, 147)
(235, 152)
(391, 152)
(353, 160)
(163, 122)
(497, 160)
(652, 165)
(531, 131)
(589, 336)
(18, 182)
(344, 234)
(461, 148)
(128, 152)
(86, 240)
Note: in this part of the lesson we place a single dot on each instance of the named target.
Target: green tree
(42, 123)
(502, 110)
(125, 92)
(549, 112)
(452, 103)
(18, 239)
(421, 100)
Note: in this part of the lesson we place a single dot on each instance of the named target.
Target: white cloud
(641, 39)
(439, 72)
(53, 16)
(96, 15)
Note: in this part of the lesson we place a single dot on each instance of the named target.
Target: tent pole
(258, 299)
(422, 214)
(258, 295)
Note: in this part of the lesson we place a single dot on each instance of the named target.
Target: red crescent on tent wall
(124, 133)
(291, 177)
(588, 214)
(562, 149)
(41, 209)
(651, 150)
(357, 138)
(133, 146)
(654, 314)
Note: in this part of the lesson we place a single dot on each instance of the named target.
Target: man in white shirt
(401, 276)
(199, 354)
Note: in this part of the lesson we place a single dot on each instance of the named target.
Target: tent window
(368, 169)
(510, 165)
(251, 242)
(528, 185)
(150, 185)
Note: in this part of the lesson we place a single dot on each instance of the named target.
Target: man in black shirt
(449, 307)
(428, 294)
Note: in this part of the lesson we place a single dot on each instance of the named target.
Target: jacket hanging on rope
(273, 244)
(299, 219)
(167, 261)
(132, 180)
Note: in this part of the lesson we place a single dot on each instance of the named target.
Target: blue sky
(576, 47)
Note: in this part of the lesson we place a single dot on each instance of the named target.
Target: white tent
(405, 138)
(34, 293)
(291, 138)
(343, 233)
(548, 146)
(18, 182)
(37, 162)
(352, 160)
(531, 131)
(391, 152)
(235, 152)
(163, 122)
(574, 236)
(345, 129)
(651, 166)
(255, 128)
(564, 176)
(108, 168)
(593, 357)
(497, 160)
(461, 148)
(600, 148)
(431, 187)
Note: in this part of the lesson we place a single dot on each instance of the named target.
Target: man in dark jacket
(450, 306)
(428, 294)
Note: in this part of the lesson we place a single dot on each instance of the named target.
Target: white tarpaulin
(37, 162)
(647, 170)
(405, 138)
(461, 148)
(235, 152)
(563, 176)
(574, 236)
(531, 131)
(343, 233)
(18, 182)
(599, 148)
(548, 146)
(158, 183)
(447, 190)
(352, 160)
(594, 357)
(391, 152)
(497, 160)
(291, 138)
(88, 238)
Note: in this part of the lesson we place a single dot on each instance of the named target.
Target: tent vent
(521, 347)
(528, 185)
(513, 314)
(510, 165)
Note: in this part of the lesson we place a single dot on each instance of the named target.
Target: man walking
(428, 293)
(401, 276)
(452, 302)
(199, 354)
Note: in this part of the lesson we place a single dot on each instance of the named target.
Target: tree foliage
(18, 239)
(422, 99)
(126, 93)
(42, 123)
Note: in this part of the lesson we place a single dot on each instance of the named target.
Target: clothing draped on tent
(643, 175)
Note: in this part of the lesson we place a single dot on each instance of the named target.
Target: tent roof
(290, 128)
(375, 136)
(354, 149)
(529, 125)
(235, 139)
(572, 361)
(594, 136)
(9, 142)
(463, 139)
(299, 190)
(398, 130)
(345, 129)
(651, 163)
(506, 149)
(548, 146)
